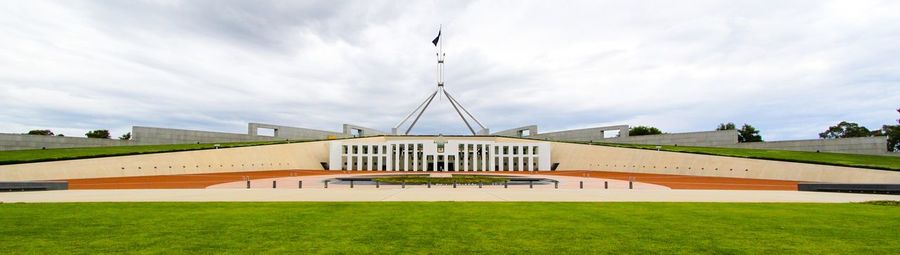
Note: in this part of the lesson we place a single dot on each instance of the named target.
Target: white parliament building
(457, 155)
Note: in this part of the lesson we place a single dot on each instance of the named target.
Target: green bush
(458, 179)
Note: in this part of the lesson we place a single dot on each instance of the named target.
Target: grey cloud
(788, 67)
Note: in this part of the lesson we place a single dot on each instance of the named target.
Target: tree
(643, 130)
(748, 133)
(60, 135)
(40, 132)
(845, 130)
(100, 133)
(893, 136)
(724, 126)
(126, 136)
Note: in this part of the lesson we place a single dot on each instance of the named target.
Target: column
(390, 158)
(434, 163)
(484, 158)
(462, 159)
(491, 159)
(401, 148)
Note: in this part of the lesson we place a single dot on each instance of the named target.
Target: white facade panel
(426, 155)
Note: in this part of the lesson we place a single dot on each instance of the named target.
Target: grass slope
(450, 228)
(837, 159)
(29, 156)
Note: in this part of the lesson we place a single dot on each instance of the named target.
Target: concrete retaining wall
(519, 131)
(294, 133)
(582, 135)
(364, 131)
(309, 155)
(304, 155)
(860, 145)
(152, 135)
(614, 159)
(707, 138)
(26, 142)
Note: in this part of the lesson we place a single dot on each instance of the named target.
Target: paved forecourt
(437, 194)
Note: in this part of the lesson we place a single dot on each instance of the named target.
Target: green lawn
(837, 159)
(449, 228)
(28, 156)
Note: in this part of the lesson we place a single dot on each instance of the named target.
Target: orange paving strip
(687, 181)
(199, 181)
(186, 181)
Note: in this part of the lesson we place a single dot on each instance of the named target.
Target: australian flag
(436, 39)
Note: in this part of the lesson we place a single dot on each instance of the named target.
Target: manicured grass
(837, 159)
(449, 228)
(458, 179)
(29, 156)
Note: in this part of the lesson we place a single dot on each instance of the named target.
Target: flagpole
(460, 110)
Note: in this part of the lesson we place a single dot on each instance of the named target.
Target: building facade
(439, 155)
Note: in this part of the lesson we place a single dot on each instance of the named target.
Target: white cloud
(790, 68)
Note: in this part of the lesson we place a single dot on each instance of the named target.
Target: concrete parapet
(362, 131)
(876, 145)
(294, 133)
(706, 138)
(531, 130)
(26, 142)
(152, 135)
(582, 135)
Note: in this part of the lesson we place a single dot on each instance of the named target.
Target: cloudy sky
(790, 68)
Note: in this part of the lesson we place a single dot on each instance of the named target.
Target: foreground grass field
(837, 159)
(450, 228)
(28, 156)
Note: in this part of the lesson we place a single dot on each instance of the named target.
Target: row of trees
(747, 133)
(99, 133)
(849, 129)
(844, 129)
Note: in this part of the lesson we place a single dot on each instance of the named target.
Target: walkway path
(436, 194)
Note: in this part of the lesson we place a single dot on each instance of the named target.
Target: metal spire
(440, 90)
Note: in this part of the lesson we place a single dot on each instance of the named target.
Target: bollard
(403, 184)
(454, 184)
(429, 184)
(530, 184)
(299, 184)
(581, 184)
(248, 184)
(556, 184)
(505, 184)
(630, 185)
(326, 184)
(479, 185)
(351, 184)
(606, 184)
(377, 184)
(273, 184)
